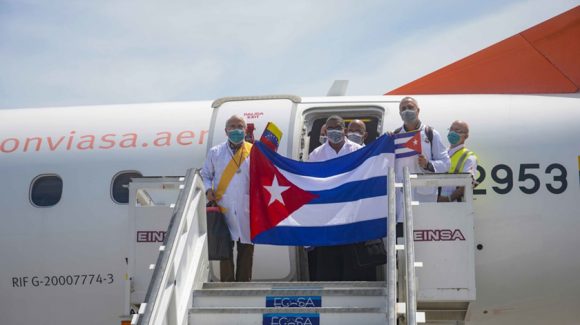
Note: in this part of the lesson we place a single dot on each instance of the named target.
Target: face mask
(355, 137)
(236, 136)
(322, 139)
(408, 115)
(453, 137)
(335, 136)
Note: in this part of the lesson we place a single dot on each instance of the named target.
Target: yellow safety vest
(458, 160)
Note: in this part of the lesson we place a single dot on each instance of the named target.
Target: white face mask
(322, 139)
(355, 137)
(409, 115)
(335, 136)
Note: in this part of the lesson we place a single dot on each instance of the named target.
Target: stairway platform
(317, 284)
(290, 294)
(324, 315)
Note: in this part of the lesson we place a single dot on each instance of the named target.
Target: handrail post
(391, 252)
(410, 252)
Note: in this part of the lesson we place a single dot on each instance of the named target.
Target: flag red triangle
(414, 143)
(266, 213)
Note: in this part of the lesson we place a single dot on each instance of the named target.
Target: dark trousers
(400, 230)
(311, 252)
(337, 263)
(243, 271)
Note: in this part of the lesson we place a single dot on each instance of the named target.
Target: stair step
(324, 315)
(321, 284)
(290, 291)
(283, 300)
(283, 295)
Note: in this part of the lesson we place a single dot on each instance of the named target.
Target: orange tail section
(542, 59)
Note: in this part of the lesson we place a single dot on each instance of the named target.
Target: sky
(81, 52)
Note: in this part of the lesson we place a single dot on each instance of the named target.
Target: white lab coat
(325, 151)
(439, 159)
(236, 199)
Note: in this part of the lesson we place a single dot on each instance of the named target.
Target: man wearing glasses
(463, 160)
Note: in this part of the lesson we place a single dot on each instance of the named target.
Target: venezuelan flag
(271, 136)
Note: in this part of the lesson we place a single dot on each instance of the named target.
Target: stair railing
(391, 251)
(183, 264)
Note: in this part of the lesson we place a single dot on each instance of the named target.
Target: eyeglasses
(457, 131)
(406, 107)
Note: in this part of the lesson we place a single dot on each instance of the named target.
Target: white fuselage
(526, 206)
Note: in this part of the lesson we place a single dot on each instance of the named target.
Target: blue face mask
(453, 137)
(236, 136)
(355, 137)
(335, 136)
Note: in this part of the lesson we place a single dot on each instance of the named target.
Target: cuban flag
(338, 201)
(408, 144)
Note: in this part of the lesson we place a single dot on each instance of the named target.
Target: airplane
(66, 239)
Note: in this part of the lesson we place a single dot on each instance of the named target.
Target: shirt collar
(347, 143)
(451, 151)
(417, 129)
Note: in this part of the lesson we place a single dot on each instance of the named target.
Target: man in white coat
(334, 263)
(433, 158)
(226, 176)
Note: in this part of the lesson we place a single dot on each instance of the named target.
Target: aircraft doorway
(315, 118)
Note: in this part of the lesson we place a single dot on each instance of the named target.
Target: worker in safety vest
(463, 160)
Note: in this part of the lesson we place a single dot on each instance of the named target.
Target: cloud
(139, 51)
(105, 52)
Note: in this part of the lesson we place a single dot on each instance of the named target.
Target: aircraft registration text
(62, 280)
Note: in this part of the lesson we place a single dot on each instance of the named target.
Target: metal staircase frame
(183, 264)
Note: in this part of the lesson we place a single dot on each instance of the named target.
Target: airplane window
(120, 186)
(46, 190)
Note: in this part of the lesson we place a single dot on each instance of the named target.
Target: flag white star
(276, 191)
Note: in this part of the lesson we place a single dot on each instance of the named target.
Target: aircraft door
(272, 263)
(257, 112)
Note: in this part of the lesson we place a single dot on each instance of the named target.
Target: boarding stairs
(180, 287)
(289, 303)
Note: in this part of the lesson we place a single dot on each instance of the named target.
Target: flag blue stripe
(404, 135)
(339, 165)
(353, 191)
(406, 154)
(400, 146)
(324, 236)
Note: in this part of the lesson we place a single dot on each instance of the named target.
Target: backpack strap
(429, 132)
